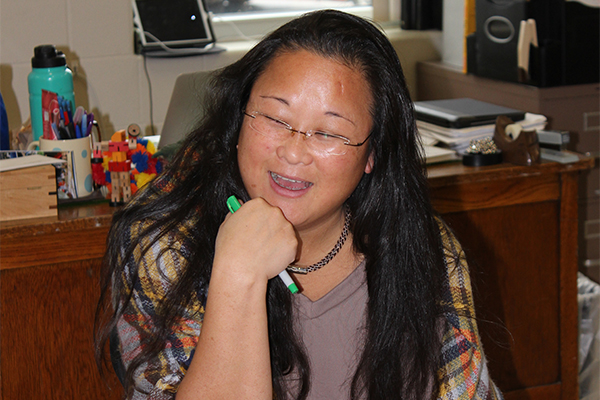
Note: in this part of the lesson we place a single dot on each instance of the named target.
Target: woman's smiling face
(309, 92)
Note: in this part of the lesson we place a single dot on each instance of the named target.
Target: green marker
(233, 204)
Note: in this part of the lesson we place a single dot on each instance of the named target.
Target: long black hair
(393, 227)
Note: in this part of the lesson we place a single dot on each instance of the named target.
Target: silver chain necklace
(331, 254)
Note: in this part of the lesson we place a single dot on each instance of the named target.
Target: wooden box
(28, 193)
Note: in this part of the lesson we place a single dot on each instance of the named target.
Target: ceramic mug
(81, 151)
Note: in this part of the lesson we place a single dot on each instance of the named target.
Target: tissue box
(28, 193)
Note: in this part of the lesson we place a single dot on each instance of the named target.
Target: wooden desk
(572, 108)
(49, 287)
(518, 225)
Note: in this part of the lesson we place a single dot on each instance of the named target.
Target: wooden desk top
(456, 188)
(78, 233)
(456, 173)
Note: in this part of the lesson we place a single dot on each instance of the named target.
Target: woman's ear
(370, 163)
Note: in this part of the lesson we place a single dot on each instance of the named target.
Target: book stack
(454, 123)
(458, 139)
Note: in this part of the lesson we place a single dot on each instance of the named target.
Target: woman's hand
(232, 359)
(257, 242)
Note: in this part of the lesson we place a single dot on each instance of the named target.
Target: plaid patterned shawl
(463, 373)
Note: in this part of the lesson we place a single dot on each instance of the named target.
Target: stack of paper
(434, 155)
(459, 139)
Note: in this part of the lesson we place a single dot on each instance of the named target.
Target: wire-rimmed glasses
(320, 142)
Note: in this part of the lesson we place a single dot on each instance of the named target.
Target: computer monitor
(172, 27)
(186, 107)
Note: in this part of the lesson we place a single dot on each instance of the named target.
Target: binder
(421, 14)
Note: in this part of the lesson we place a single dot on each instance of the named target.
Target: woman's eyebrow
(334, 114)
(279, 99)
(329, 113)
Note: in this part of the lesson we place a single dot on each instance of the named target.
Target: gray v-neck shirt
(332, 330)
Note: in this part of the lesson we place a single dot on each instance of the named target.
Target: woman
(314, 131)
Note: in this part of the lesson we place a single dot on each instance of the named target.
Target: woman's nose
(295, 149)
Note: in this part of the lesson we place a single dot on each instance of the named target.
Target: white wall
(454, 31)
(97, 38)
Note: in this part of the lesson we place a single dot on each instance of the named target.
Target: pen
(233, 204)
(84, 124)
(55, 132)
(63, 133)
(69, 109)
(78, 114)
(90, 122)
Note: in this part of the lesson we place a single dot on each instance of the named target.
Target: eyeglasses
(320, 142)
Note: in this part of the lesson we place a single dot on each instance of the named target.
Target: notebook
(463, 113)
